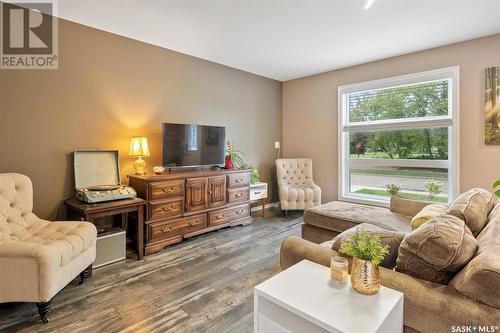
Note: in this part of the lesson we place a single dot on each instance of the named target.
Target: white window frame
(451, 121)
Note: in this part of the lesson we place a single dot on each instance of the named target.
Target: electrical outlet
(277, 145)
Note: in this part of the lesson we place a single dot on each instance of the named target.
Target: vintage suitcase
(97, 176)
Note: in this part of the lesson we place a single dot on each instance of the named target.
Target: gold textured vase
(365, 277)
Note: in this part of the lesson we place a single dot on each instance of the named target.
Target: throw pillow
(437, 249)
(489, 197)
(427, 213)
(472, 208)
(388, 237)
(480, 278)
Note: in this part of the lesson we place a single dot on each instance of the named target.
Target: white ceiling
(284, 40)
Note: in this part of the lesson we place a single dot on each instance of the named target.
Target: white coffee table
(303, 299)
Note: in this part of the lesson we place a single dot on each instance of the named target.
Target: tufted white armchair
(38, 258)
(296, 187)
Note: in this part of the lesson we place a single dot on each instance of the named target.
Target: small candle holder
(339, 269)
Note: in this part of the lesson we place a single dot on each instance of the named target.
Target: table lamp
(139, 148)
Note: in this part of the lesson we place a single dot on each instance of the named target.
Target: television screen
(193, 145)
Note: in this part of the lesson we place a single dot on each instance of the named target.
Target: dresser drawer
(240, 211)
(165, 208)
(238, 179)
(165, 229)
(226, 215)
(194, 223)
(177, 227)
(166, 189)
(238, 195)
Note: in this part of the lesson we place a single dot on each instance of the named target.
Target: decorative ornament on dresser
(158, 169)
(367, 252)
(492, 106)
(233, 158)
(139, 148)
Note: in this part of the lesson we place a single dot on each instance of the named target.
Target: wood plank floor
(204, 284)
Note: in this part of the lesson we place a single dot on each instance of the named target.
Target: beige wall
(310, 110)
(109, 88)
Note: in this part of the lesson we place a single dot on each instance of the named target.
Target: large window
(400, 135)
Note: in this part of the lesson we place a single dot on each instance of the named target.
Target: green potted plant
(495, 185)
(367, 252)
(234, 157)
(254, 174)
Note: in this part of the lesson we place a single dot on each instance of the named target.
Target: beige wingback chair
(38, 258)
(296, 187)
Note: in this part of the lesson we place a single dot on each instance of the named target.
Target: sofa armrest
(406, 207)
(433, 307)
(295, 249)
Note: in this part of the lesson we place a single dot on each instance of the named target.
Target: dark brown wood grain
(184, 194)
(77, 210)
(166, 189)
(182, 174)
(165, 208)
(196, 194)
(236, 195)
(172, 228)
(227, 215)
(238, 179)
(216, 191)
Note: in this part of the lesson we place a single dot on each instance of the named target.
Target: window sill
(365, 200)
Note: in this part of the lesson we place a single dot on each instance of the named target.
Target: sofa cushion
(437, 250)
(339, 216)
(427, 213)
(37, 257)
(480, 279)
(52, 257)
(390, 238)
(472, 208)
(489, 197)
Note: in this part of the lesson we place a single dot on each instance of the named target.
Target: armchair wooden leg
(43, 310)
(87, 273)
(285, 213)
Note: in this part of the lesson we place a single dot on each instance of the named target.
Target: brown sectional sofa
(429, 306)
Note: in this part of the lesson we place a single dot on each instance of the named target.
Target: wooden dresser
(183, 204)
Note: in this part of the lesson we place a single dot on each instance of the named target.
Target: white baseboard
(269, 205)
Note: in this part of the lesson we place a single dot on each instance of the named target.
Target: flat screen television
(189, 145)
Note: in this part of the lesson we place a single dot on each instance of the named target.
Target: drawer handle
(239, 194)
(238, 180)
(259, 192)
(193, 223)
(168, 189)
(168, 209)
(218, 217)
(167, 229)
(239, 211)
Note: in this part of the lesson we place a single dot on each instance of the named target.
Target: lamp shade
(139, 147)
